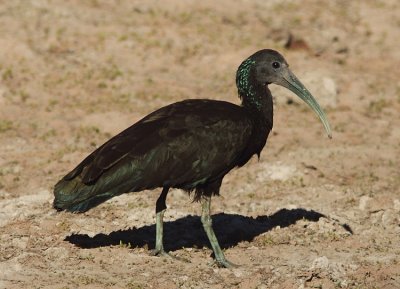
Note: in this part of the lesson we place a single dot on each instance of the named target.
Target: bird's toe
(224, 264)
(162, 253)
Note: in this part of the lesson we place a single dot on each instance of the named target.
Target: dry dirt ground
(312, 213)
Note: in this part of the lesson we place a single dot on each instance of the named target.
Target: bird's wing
(205, 152)
(180, 132)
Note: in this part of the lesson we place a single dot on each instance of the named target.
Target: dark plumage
(176, 146)
(190, 145)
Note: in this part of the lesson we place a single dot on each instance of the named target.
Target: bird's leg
(220, 259)
(159, 248)
(160, 210)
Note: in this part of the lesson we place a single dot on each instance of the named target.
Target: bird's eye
(276, 65)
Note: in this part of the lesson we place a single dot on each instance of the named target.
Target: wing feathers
(172, 136)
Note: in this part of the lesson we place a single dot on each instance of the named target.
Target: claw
(162, 253)
(224, 264)
(159, 252)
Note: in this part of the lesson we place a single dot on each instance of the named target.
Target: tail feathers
(82, 206)
(75, 196)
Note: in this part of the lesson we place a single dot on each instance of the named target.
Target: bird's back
(184, 145)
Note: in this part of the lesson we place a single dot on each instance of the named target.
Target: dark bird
(189, 145)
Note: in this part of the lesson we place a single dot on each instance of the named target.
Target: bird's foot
(163, 253)
(224, 264)
(159, 252)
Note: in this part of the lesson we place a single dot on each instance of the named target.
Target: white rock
(20, 242)
(9, 269)
(396, 204)
(27, 205)
(389, 218)
(237, 272)
(320, 263)
(277, 171)
(363, 202)
(323, 88)
(56, 253)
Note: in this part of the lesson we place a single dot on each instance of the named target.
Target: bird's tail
(75, 196)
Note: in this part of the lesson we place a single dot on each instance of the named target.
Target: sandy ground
(312, 213)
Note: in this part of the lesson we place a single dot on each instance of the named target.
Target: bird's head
(268, 66)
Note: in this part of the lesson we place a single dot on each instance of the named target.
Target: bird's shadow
(188, 231)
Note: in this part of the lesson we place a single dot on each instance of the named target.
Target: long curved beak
(291, 82)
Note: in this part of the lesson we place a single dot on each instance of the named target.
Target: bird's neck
(257, 99)
(258, 103)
